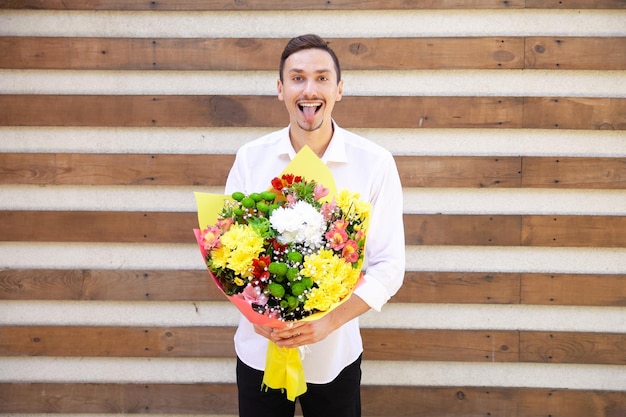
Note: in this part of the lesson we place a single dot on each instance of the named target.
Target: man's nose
(310, 89)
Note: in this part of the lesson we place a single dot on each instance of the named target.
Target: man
(310, 84)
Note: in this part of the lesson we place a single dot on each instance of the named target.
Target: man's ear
(279, 87)
(339, 91)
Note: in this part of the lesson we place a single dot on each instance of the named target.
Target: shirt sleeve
(385, 246)
(236, 176)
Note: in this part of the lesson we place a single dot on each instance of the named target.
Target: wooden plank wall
(507, 121)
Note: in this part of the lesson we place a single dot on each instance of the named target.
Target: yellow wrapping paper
(283, 368)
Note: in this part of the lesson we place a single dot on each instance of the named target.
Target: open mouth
(309, 109)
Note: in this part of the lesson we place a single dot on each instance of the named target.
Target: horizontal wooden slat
(259, 53)
(66, 398)
(575, 4)
(258, 4)
(415, 171)
(174, 227)
(379, 344)
(377, 401)
(354, 111)
(451, 171)
(92, 226)
(440, 345)
(574, 113)
(442, 229)
(108, 285)
(180, 342)
(570, 289)
(262, 111)
(573, 231)
(199, 5)
(216, 342)
(114, 169)
(545, 172)
(246, 54)
(420, 229)
(575, 53)
(458, 287)
(419, 287)
(569, 347)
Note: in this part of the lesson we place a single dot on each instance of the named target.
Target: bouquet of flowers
(291, 252)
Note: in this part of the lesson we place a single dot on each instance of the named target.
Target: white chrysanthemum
(300, 223)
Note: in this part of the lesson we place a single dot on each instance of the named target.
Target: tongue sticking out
(309, 113)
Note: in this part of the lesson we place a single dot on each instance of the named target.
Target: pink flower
(336, 238)
(254, 295)
(224, 224)
(341, 224)
(319, 192)
(211, 238)
(327, 210)
(350, 251)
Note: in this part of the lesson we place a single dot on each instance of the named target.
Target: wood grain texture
(474, 230)
(415, 171)
(459, 171)
(115, 169)
(573, 172)
(199, 5)
(217, 5)
(458, 287)
(574, 231)
(257, 111)
(569, 347)
(217, 342)
(420, 229)
(575, 53)
(574, 289)
(419, 287)
(357, 111)
(574, 113)
(575, 4)
(379, 344)
(108, 285)
(254, 54)
(377, 400)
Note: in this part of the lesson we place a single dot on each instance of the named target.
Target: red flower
(260, 267)
(285, 181)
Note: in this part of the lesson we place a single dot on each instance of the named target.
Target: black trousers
(339, 398)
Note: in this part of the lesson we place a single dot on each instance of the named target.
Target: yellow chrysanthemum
(334, 277)
(345, 199)
(352, 206)
(219, 256)
(239, 246)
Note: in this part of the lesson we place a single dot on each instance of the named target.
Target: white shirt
(358, 165)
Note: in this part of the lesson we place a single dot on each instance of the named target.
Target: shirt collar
(336, 151)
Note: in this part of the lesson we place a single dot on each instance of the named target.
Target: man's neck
(317, 140)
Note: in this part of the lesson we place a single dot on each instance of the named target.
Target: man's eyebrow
(319, 71)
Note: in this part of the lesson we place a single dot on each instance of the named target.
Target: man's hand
(300, 333)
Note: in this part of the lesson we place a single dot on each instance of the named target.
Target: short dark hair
(300, 43)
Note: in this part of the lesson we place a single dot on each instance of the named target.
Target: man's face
(309, 89)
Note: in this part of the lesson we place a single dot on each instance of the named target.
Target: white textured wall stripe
(416, 200)
(276, 24)
(452, 142)
(529, 83)
(180, 370)
(393, 315)
(419, 258)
